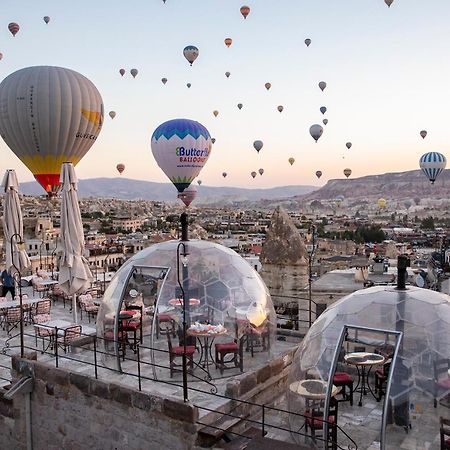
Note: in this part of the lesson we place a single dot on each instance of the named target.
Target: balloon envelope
(216, 113)
(191, 53)
(181, 147)
(228, 42)
(134, 72)
(322, 85)
(348, 145)
(46, 19)
(347, 172)
(323, 109)
(188, 85)
(308, 42)
(122, 72)
(389, 2)
(381, 202)
(258, 145)
(291, 160)
(253, 174)
(280, 108)
(245, 11)
(316, 131)
(325, 121)
(120, 168)
(1, 56)
(423, 133)
(268, 86)
(224, 174)
(261, 171)
(199, 182)
(432, 165)
(164, 80)
(112, 114)
(227, 74)
(188, 195)
(49, 115)
(240, 105)
(318, 173)
(14, 28)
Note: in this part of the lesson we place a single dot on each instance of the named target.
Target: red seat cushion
(317, 422)
(444, 383)
(132, 326)
(447, 442)
(164, 317)
(380, 372)
(227, 347)
(341, 378)
(190, 350)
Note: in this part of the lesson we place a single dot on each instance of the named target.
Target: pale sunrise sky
(387, 72)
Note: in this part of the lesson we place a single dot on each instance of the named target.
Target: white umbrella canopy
(75, 276)
(16, 256)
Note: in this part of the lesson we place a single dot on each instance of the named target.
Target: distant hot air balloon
(122, 72)
(112, 114)
(224, 174)
(432, 165)
(348, 145)
(381, 203)
(227, 74)
(325, 121)
(46, 19)
(261, 171)
(268, 86)
(134, 72)
(322, 85)
(245, 11)
(181, 147)
(164, 80)
(339, 199)
(228, 42)
(213, 140)
(199, 182)
(258, 145)
(63, 112)
(308, 42)
(280, 108)
(291, 160)
(316, 131)
(423, 133)
(318, 173)
(240, 105)
(120, 168)
(14, 28)
(189, 85)
(253, 174)
(1, 56)
(389, 2)
(323, 109)
(347, 172)
(216, 113)
(188, 195)
(191, 53)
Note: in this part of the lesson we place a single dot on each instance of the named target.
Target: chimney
(402, 264)
(184, 227)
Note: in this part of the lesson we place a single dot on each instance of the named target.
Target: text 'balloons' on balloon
(308, 42)
(258, 145)
(253, 174)
(347, 172)
(245, 11)
(46, 19)
(191, 53)
(216, 113)
(261, 172)
(325, 121)
(423, 134)
(224, 174)
(291, 160)
(164, 80)
(348, 145)
(268, 86)
(134, 72)
(322, 85)
(188, 195)
(120, 168)
(227, 74)
(181, 148)
(14, 28)
(316, 131)
(112, 114)
(432, 165)
(122, 72)
(280, 108)
(240, 105)
(323, 109)
(318, 173)
(228, 42)
(66, 113)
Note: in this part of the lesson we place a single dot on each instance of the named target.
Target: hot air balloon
(50, 115)
(112, 114)
(323, 109)
(423, 133)
(181, 147)
(389, 2)
(1, 56)
(245, 11)
(308, 42)
(191, 53)
(268, 86)
(347, 172)
(253, 174)
(14, 28)
(322, 85)
(164, 80)
(188, 195)
(228, 42)
(224, 174)
(381, 203)
(261, 171)
(258, 145)
(280, 108)
(46, 19)
(339, 199)
(134, 72)
(120, 168)
(240, 105)
(318, 173)
(432, 165)
(189, 85)
(213, 140)
(199, 182)
(325, 121)
(316, 131)
(216, 113)
(291, 160)
(122, 72)
(227, 74)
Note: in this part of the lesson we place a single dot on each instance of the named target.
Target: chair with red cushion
(177, 352)
(314, 422)
(234, 348)
(441, 378)
(381, 377)
(122, 339)
(169, 327)
(344, 380)
(445, 433)
(134, 325)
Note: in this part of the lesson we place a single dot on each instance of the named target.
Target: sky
(386, 69)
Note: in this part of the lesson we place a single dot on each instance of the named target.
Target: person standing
(8, 284)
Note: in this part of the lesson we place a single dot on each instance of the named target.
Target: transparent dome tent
(408, 331)
(223, 293)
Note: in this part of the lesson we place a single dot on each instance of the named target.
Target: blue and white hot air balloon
(191, 53)
(181, 148)
(432, 165)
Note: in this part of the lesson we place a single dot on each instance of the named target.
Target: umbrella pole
(74, 308)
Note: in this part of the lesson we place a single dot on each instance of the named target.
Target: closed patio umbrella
(75, 276)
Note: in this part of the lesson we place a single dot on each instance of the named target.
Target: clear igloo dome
(226, 300)
(401, 335)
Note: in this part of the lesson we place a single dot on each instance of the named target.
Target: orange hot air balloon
(14, 28)
(245, 11)
(228, 42)
(120, 168)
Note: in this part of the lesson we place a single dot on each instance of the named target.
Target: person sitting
(8, 284)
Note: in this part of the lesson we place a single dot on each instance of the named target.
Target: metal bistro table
(52, 327)
(364, 362)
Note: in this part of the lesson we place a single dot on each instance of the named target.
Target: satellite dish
(420, 282)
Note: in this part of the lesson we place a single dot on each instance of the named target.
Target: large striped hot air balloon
(14, 28)
(432, 165)
(181, 147)
(49, 115)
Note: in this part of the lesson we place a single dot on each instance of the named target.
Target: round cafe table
(179, 302)
(364, 362)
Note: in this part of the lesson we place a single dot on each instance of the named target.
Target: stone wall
(72, 411)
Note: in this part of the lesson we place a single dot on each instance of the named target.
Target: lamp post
(311, 248)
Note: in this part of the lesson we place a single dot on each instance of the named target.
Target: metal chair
(177, 352)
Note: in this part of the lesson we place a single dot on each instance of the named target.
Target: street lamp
(311, 248)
